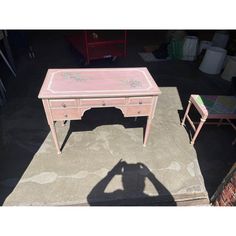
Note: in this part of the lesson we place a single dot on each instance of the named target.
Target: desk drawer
(143, 110)
(102, 102)
(66, 114)
(62, 103)
(140, 100)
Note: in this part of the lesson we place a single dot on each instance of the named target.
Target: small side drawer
(62, 103)
(66, 114)
(138, 110)
(102, 102)
(140, 100)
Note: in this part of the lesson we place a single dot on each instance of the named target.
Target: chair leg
(198, 130)
(186, 112)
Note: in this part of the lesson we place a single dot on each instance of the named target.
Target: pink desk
(68, 93)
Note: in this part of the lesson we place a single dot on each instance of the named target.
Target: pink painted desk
(68, 93)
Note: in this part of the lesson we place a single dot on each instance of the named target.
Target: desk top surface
(104, 82)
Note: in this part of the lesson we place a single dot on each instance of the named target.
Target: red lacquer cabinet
(98, 44)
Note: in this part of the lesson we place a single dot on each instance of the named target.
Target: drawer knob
(65, 115)
(64, 105)
(104, 104)
(139, 112)
(140, 102)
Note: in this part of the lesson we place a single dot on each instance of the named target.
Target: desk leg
(54, 136)
(147, 131)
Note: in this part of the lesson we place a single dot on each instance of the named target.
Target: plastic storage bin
(230, 69)
(220, 39)
(213, 60)
(204, 45)
(190, 48)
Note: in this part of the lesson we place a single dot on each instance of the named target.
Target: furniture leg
(147, 131)
(186, 112)
(2, 93)
(54, 136)
(8, 50)
(198, 130)
(2, 85)
(7, 63)
(2, 88)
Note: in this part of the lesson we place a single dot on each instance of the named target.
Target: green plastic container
(175, 49)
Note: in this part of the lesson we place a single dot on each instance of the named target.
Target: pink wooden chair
(211, 107)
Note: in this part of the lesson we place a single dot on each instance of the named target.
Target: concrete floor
(103, 161)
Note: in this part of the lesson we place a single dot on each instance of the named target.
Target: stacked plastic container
(214, 58)
(190, 48)
(230, 69)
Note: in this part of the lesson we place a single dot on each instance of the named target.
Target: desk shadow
(133, 180)
(96, 117)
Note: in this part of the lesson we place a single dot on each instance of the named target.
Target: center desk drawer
(143, 110)
(140, 100)
(102, 101)
(62, 103)
(66, 114)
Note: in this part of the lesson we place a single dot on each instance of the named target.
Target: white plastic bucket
(220, 39)
(204, 45)
(230, 69)
(213, 60)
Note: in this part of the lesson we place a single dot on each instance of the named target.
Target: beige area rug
(109, 165)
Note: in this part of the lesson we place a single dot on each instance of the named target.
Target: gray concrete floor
(103, 161)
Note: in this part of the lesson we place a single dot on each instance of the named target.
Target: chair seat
(216, 106)
(211, 107)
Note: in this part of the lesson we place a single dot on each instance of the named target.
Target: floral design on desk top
(133, 83)
(75, 76)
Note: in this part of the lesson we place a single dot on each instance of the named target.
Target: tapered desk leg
(54, 136)
(147, 131)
